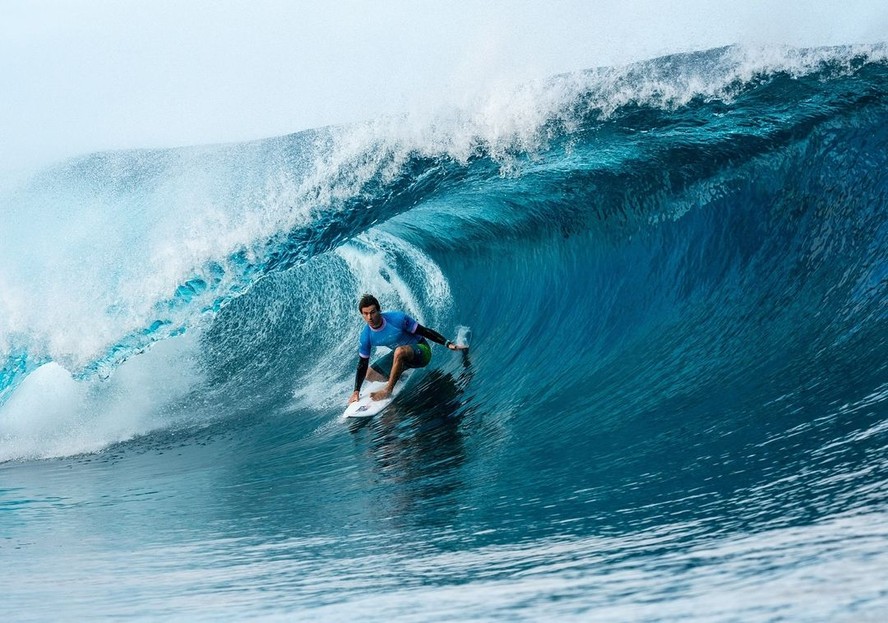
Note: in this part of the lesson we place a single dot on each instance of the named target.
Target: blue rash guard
(398, 329)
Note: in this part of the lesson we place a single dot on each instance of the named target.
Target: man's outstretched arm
(437, 337)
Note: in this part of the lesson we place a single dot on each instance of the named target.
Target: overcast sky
(83, 75)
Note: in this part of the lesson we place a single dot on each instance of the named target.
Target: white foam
(51, 414)
(373, 260)
(520, 117)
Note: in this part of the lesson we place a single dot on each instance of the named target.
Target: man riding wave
(398, 331)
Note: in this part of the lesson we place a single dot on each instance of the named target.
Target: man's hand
(382, 394)
(355, 396)
(453, 346)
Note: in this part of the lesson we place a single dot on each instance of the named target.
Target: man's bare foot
(382, 394)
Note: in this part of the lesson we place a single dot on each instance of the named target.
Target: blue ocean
(673, 276)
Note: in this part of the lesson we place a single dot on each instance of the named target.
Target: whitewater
(674, 408)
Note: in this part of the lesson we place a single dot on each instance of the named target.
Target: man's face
(372, 316)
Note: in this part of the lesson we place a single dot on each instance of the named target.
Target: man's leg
(381, 369)
(403, 356)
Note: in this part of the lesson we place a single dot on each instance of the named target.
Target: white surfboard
(365, 406)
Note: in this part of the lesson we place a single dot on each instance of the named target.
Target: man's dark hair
(367, 300)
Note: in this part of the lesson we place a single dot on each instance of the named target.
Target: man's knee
(404, 353)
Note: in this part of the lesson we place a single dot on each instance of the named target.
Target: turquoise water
(674, 407)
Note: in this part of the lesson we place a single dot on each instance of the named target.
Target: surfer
(404, 335)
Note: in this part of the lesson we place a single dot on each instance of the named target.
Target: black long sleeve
(430, 334)
(363, 364)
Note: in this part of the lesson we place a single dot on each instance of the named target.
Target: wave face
(676, 277)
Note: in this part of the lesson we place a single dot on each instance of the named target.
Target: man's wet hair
(367, 300)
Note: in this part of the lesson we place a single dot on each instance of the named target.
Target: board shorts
(422, 355)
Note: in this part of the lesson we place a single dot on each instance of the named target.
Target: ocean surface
(674, 408)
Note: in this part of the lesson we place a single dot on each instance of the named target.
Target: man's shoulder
(394, 316)
(402, 320)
